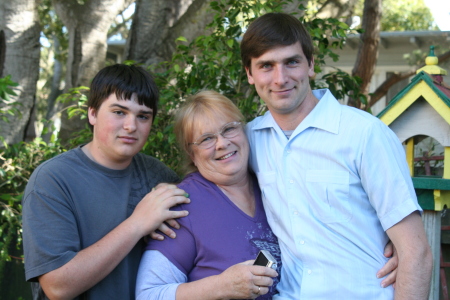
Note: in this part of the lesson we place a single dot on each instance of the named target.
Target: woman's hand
(246, 281)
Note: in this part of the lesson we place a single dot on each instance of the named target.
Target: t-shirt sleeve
(157, 277)
(385, 176)
(50, 235)
(181, 251)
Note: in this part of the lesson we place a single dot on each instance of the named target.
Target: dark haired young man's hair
(273, 30)
(123, 81)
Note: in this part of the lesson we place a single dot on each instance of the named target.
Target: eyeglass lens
(228, 131)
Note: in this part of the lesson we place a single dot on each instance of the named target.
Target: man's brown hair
(273, 30)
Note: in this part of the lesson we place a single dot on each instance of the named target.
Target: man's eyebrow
(145, 112)
(271, 61)
(297, 57)
(264, 62)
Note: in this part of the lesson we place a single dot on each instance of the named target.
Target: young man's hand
(154, 210)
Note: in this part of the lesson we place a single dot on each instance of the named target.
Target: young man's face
(281, 78)
(121, 128)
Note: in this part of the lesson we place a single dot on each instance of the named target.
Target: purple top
(216, 234)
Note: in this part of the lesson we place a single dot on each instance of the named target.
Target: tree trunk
(87, 25)
(19, 57)
(55, 91)
(158, 23)
(368, 47)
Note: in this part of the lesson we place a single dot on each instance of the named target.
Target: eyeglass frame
(216, 135)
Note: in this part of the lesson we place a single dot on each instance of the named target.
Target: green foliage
(7, 106)
(77, 95)
(17, 162)
(406, 15)
(341, 85)
(403, 15)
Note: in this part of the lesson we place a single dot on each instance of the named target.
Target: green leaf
(181, 39)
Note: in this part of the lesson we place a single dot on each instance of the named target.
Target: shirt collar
(326, 115)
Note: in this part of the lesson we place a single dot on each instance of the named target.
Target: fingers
(173, 223)
(390, 279)
(156, 236)
(168, 190)
(263, 281)
(244, 281)
(155, 208)
(390, 266)
(166, 230)
(260, 271)
(167, 196)
(171, 195)
(389, 249)
(260, 290)
(263, 284)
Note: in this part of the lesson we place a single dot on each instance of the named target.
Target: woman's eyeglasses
(228, 131)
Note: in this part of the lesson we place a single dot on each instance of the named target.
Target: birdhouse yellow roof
(422, 86)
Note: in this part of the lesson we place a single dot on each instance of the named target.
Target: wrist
(134, 227)
(219, 287)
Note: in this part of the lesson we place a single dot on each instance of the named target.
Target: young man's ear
(311, 72)
(249, 75)
(92, 116)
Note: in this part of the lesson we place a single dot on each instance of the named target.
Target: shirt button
(289, 151)
(295, 212)
(291, 181)
(302, 242)
(309, 271)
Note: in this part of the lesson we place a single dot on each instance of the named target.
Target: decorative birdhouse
(420, 117)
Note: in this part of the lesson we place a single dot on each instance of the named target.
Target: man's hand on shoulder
(153, 212)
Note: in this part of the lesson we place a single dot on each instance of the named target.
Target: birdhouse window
(428, 157)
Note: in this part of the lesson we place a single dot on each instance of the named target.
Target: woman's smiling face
(226, 162)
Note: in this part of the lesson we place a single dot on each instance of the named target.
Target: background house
(391, 57)
(393, 48)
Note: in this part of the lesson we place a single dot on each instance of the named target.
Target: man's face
(121, 128)
(281, 78)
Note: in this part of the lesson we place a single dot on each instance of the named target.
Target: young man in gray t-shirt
(86, 211)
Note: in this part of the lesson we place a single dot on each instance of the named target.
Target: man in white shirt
(334, 179)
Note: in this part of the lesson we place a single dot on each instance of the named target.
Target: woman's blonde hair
(204, 106)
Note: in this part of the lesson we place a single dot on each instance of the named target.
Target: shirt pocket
(267, 184)
(328, 195)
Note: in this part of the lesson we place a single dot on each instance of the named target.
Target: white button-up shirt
(330, 192)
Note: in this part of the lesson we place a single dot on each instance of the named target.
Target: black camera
(266, 259)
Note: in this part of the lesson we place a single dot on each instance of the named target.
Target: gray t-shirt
(71, 202)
